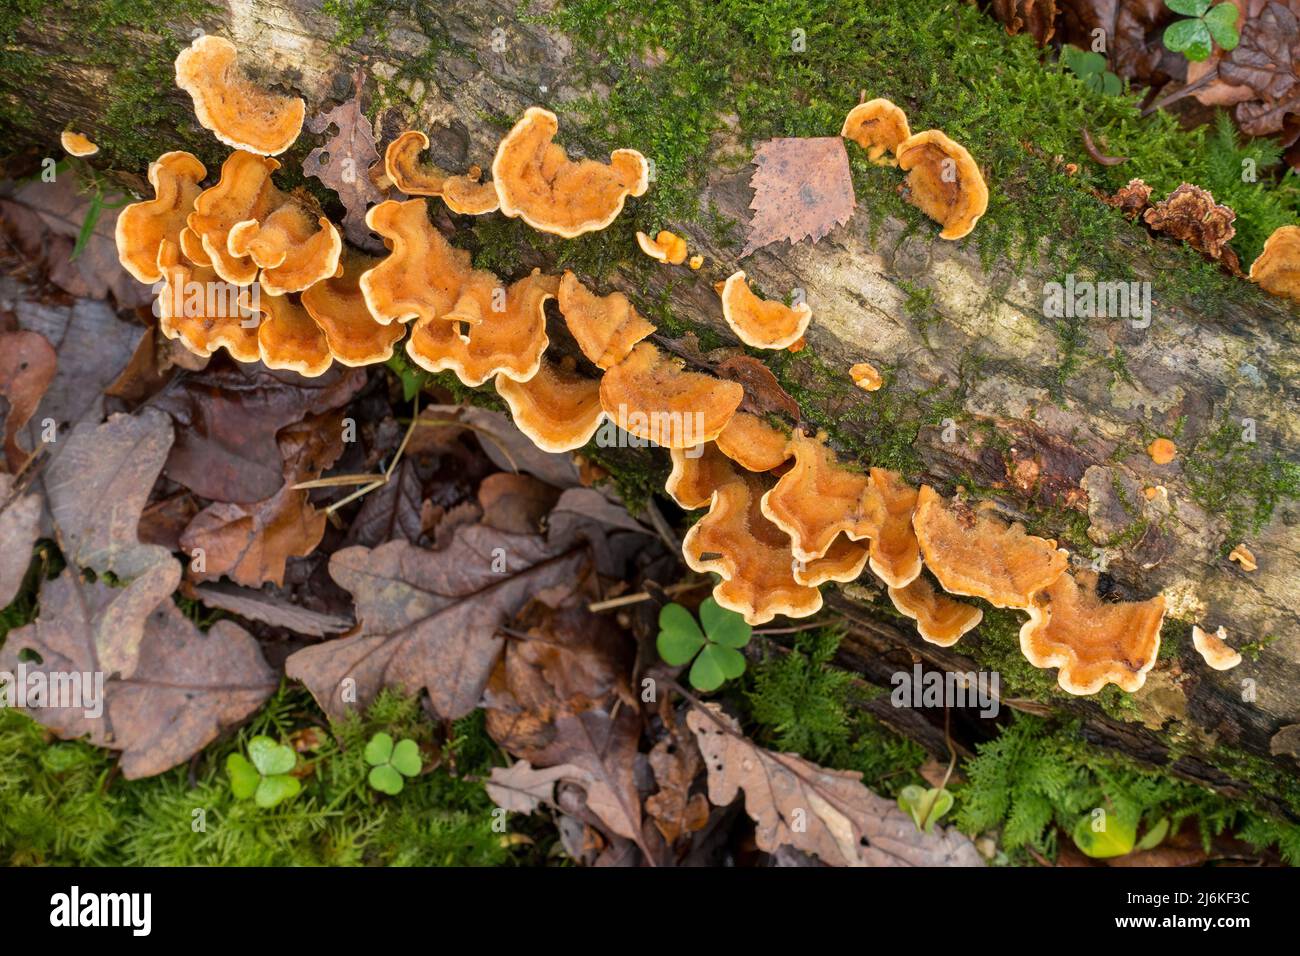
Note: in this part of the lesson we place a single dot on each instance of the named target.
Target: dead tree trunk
(1053, 447)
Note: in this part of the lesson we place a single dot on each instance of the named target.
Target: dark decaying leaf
(508, 447)
(802, 190)
(1267, 62)
(829, 813)
(391, 512)
(344, 162)
(763, 393)
(1035, 17)
(20, 524)
(255, 605)
(1132, 30)
(186, 689)
(518, 504)
(27, 366)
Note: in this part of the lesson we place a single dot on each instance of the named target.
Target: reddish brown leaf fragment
(802, 190)
(344, 162)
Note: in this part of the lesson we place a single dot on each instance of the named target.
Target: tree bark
(1047, 451)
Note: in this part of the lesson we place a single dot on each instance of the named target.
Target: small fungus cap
(294, 248)
(760, 323)
(202, 323)
(606, 327)
(535, 180)
(142, 227)
(667, 247)
(238, 112)
(753, 444)
(877, 126)
(1214, 648)
(558, 408)
(866, 377)
(1162, 451)
(244, 192)
(1243, 556)
(696, 474)
(336, 305)
(1093, 642)
(1277, 269)
(939, 619)
(843, 562)
(422, 276)
(817, 499)
(75, 144)
(651, 396)
(288, 337)
(462, 193)
(976, 553)
(944, 182)
(887, 510)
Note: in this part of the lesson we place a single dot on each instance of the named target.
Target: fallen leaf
(155, 360)
(27, 366)
(251, 543)
(1267, 61)
(1132, 29)
(227, 420)
(517, 504)
(828, 813)
(592, 505)
(255, 605)
(343, 164)
(802, 190)
(1035, 17)
(392, 511)
(429, 619)
(521, 788)
(187, 688)
(508, 447)
(763, 393)
(20, 525)
(676, 762)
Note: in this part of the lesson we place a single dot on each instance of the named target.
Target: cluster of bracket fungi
(785, 515)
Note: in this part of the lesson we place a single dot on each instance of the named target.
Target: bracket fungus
(750, 554)
(944, 182)
(697, 472)
(761, 323)
(1214, 648)
(843, 561)
(558, 408)
(191, 310)
(244, 192)
(238, 112)
(142, 227)
(77, 144)
(535, 180)
(422, 274)
(288, 337)
(1162, 451)
(606, 327)
(1093, 642)
(878, 126)
(1276, 270)
(1243, 556)
(667, 247)
(338, 307)
(462, 193)
(975, 553)
(866, 377)
(753, 444)
(939, 619)
(887, 512)
(294, 248)
(817, 499)
(650, 395)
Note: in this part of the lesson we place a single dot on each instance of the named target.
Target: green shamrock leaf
(1090, 68)
(1115, 837)
(715, 649)
(1222, 21)
(392, 762)
(1189, 8)
(1195, 38)
(926, 807)
(265, 774)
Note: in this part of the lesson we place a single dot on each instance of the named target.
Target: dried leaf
(1267, 61)
(521, 788)
(508, 447)
(20, 524)
(1035, 17)
(429, 619)
(1132, 29)
(251, 543)
(802, 190)
(27, 366)
(392, 511)
(676, 762)
(825, 812)
(187, 688)
(344, 162)
(260, 606)
(763, 393)
(517, 504)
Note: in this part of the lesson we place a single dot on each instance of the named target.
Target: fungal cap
(75, 144)
(606, 327)
(1243, 556)
(816, 499)
(467, 196)
(887, 510)
(761, 323)
(557, 408)
(866, 377)
(843, 561)
(294, 249)
(696, 474)
(1093, 642)
(651, 396)
(667, 247)
(1162, 451)
(422, 275)
(696, 262)
(752, 443)
(143, 226)
(535, 180)
(944, 182)
(877, 126)
(288, 337)
(1214, 648)
(238, 113)
(201, 323)
(975, 553)
(339, 309)
(1276, 270)
(243, 192)
(939, 619)
(403, 166)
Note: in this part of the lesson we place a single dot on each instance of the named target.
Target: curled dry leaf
(1267, 63)
(1035, 17)
(343, 164)
(522, 788)
(20, 523)
(27, 365)
(802, 190)
(256, 605)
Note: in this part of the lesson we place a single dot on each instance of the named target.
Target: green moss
(1237, 480)
(361, 18)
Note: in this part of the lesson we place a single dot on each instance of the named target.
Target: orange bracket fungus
(667, 247)
(506, 330)
(1162, 451)
(944, 182)
(462, 193)
(651, 396)
(1277, 269)
(975, 553)
(75, 144)
(697, 472)
(1214, 648)
(760, 323)
(200, 311)
(878, 126)
(557, 408)
(866, 377)
(237, 112)
(753, 444)
(294, 249)
(1243, 556)
(843, 561)
(750, 554)
(338, 307)
(142, 227)
(422, 275)
(288, 337)
(535, 179)
(606, 327)
(887, 511)
(1093, 642)
(244, 192)
(817, 499)
(939, 619)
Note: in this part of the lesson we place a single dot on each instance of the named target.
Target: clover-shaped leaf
(264, 774)
(715, 649)
(392, 762)
(1090, 67)
(1195, 38)
(925, 806)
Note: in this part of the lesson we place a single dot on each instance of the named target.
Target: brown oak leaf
(522, 788)
(763, 393)
(20, 524)
(1132, 29)
(27, 364)
(802, 190)
(344, 162)
(1267, 61)
(391, 511)
(828, 813)
(676, 762)
(257, 605)
(186, 689)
